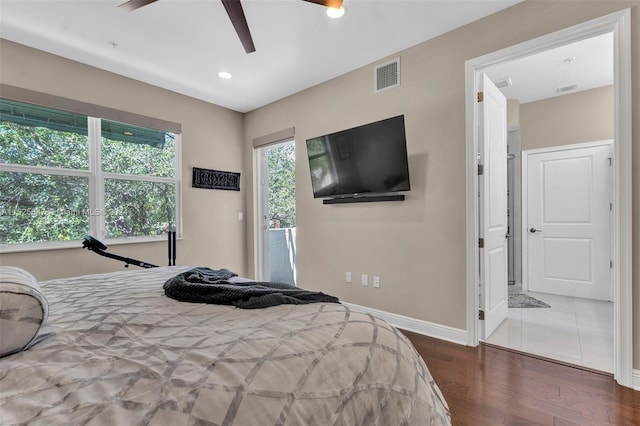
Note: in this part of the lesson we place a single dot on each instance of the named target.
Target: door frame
(524, 231)
(516, 195)
(619, 23)
(262, 207)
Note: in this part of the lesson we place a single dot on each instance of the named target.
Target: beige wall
(585, 116)
(212, 138)
(416, 246)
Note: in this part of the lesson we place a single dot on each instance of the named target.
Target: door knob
(534, 230)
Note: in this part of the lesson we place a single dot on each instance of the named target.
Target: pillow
(23, 310)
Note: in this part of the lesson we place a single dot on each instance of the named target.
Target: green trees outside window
(282, 186)
(52, 188)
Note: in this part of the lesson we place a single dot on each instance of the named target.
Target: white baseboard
(426, 328)
(636, 380)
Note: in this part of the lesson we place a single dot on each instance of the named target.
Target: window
(64, 175)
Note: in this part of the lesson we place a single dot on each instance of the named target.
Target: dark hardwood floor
(493, 386)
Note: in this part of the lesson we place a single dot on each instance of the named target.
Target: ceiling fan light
(225, 75)
(335, 13)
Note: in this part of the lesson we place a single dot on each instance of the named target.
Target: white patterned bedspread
(125, 354)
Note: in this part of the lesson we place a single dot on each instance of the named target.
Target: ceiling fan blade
(132, 5)
(239, 21)
(336, 4)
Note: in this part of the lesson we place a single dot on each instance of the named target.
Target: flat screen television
(364, 160)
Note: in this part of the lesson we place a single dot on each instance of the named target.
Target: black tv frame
(364, 197)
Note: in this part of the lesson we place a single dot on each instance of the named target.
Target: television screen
(363, 160)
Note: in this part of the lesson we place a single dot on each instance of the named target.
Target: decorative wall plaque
(215, 179)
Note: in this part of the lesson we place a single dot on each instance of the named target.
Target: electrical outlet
(348, 277)
(365, 279)
(376, 281)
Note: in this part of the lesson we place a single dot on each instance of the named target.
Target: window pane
(137, 151)
(36, 208)
(42, 146)
(136, 208)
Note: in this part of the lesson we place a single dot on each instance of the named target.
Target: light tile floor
(573, 330)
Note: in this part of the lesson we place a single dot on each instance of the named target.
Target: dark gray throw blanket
(205, 285)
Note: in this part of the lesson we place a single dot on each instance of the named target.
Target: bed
(120, 352)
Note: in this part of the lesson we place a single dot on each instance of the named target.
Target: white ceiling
(181, 45)
(587, 63)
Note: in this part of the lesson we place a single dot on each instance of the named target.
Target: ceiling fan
(236, 14)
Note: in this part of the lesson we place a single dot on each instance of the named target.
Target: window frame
(96, 182)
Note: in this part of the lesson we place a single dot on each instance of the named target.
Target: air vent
(503, 82)
(567, 88)
(387, 75)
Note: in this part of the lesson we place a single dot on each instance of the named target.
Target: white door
(277, 213)
(568, 233)
(492, 114)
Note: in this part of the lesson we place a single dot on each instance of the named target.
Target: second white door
(568, 224)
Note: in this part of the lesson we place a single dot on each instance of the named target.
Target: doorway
(566, 258)
(617, 24)
(277, 213)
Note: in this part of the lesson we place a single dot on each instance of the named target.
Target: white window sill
(62, 245)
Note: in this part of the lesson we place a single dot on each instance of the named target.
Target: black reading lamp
(98, 247)
(171, 242)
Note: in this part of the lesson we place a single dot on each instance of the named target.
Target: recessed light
(335, 13)
(224, 74)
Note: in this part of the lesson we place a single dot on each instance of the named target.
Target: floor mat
(521, 300)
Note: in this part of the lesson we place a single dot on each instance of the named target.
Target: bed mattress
(122, 353)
